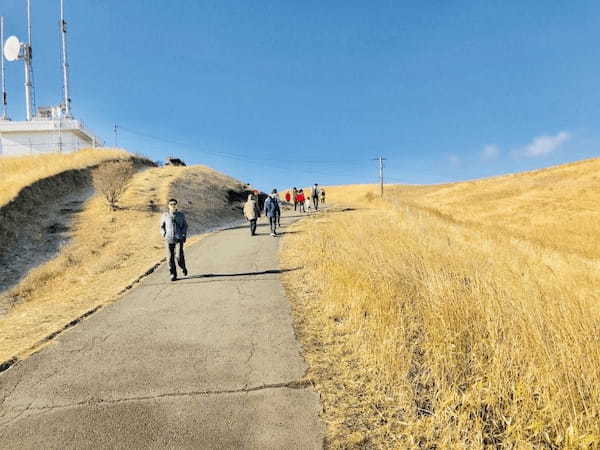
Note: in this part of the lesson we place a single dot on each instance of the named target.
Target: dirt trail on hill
(209, 361)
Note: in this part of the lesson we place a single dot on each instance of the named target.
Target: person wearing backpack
(273, 211)
(314, 195)
(252, 213)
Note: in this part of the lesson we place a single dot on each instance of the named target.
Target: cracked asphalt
(209, 361)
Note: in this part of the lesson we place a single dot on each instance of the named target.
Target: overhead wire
(235, 155)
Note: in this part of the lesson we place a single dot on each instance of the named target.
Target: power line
(237, 156)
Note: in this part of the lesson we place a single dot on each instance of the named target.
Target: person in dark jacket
(273, 211)
(173, 228)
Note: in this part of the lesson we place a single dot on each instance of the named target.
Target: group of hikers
(303, 203)
(173, 226)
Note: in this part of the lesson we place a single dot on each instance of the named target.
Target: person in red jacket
(300, 199)
(288, 197)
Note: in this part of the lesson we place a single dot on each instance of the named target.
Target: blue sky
(281, 93)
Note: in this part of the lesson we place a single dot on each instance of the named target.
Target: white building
(51, 129)
(48, 132)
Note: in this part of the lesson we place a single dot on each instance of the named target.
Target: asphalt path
(207, 362)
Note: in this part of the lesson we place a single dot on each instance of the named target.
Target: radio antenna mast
(27, 56)
(65, 62)
(4, 99)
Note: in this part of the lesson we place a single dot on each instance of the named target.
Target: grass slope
(436, 319)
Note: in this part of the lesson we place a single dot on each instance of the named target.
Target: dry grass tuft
(425, 331)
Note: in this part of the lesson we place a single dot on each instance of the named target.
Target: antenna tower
(4, 99)
(27, 56)
(65, 62)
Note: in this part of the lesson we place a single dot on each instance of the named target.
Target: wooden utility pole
(381, 159)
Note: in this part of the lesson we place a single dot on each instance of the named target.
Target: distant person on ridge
(300, 201)
(314, 195)
(173, 228)
(278, 211)
(272, 211)
(295, 197)
(252, 213)
(322, 196)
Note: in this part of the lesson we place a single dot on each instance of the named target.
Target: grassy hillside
(108, 250)
(20, 172)
(456, 316)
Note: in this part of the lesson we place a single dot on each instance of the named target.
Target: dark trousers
(316, 203)
(171, 256)
(273, 224)
(301, 206)
(295, 205)
(252, 227)
(278, 216)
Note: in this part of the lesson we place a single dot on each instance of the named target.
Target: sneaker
(185, 272)
(173, 277)
(273, 234)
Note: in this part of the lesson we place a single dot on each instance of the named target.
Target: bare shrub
(111, 180)
(370, 196)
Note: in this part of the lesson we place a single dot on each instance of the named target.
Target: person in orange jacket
(288, 197)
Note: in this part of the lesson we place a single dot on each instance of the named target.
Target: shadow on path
(242, 274)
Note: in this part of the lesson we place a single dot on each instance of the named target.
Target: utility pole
(116, 130)
(381, 159)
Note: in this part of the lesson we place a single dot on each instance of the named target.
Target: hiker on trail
(288, 196)
(314, 195)
(278, 217)
(300, 201)
(257, 198)
(295, 197)
(272, 211)
(173, 228)
(252, 213)
(322, 196)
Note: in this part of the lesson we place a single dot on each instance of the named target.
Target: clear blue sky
(309, 91)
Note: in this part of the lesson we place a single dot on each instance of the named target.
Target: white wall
(31, 143)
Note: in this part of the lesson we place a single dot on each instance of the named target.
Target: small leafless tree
(111, 180)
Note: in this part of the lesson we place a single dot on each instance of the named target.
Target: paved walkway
(210, 361)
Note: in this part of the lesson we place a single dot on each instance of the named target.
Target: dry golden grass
(108, 250)
(19, 172)
(424, 331)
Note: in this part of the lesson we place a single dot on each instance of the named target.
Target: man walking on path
(252, 213)
(273, 211)
(322, 196)
(314, 194)
(173, 228)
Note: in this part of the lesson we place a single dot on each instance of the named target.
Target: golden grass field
(457, 316)
(108, 250)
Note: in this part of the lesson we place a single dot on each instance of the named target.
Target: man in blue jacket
(273, 211)
(173, 228)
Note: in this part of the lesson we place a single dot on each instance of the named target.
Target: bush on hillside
(111, 180)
